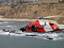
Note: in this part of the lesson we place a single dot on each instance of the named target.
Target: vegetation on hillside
(19, 9)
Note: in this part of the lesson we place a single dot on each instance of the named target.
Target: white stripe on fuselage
(46, 25)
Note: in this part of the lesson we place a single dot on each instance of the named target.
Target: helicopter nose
(22, 29)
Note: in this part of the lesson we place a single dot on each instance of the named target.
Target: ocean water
(7, 41)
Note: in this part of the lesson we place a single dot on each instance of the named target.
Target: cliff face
(31, 10)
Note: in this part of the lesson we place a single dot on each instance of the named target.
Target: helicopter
(43, 25)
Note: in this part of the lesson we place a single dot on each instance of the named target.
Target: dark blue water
(26, 42)
(7, 41)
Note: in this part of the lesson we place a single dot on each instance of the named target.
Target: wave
(45, 36)
(53, 36)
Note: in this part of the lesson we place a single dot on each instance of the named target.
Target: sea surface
(7, 41)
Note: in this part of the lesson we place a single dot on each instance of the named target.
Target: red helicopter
(42, 25)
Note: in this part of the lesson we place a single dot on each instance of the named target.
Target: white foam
(4, 33)
(54, 36)
(46, 36)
